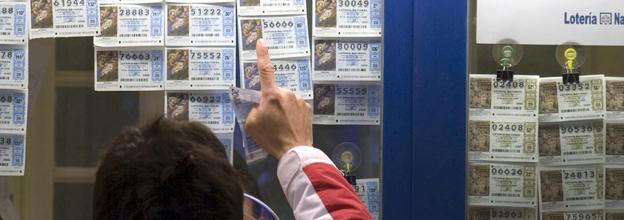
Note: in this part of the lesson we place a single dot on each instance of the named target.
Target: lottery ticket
(597, 214)
(501, 213)
(615, 97)
(13, 111)
(572, 143)
(129, 69)
(503, 140)
(614, 215)
(227, 139)
(270, 7)
(13, 67)
(201, 68)
(347, 18)
(369, 193)
(199, 1)
(285, 36)
(615, 141)
(614, 187)
(572, 188)
(347, 59)
(13, 22)
(491, 97)
(130, 25)
(575, 101)
(64, 18)
(494, 184)
(244, 100)
(346, 104)
(211, 108)
(12, 154)
(201, 25)
(293, 74)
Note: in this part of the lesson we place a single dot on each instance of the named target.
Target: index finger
(265, 67)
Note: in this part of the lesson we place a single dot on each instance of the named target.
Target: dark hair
(167, 170)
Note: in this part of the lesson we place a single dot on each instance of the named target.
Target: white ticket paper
(201, 68)
(347, 59)
(201, 25)
(347, 18)
(211, 108)
(64, 18)
(614, 187)
(369, 193)
(501, 213)
(615, 97)
(572, 188)
(285, 36)
(13, 111)
(13, 22)
(129, 69)
(493, 184)
(293, 74)
(573, 101)
(491, 97)
(503, 140)
(572, 143)
(12, 154)
(227, 139)
(597, 214)
(13, 67)
(615, 141)
(244, 100)
(270, 7)
(347, 104)
(130, 25)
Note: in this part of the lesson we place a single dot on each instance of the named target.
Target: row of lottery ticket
(589, 191)
(13, 121)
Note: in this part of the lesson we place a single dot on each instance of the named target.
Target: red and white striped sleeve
(315, 188)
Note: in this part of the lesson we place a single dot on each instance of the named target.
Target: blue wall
(424, 109)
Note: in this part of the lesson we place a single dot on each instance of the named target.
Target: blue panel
(439, 102)
(397, 125)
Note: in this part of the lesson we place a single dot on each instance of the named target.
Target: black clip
(504, 75)
(351, 180)
(571, 78)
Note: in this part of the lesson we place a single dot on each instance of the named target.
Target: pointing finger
(265, 67)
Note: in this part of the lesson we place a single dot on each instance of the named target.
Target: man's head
(167, 170)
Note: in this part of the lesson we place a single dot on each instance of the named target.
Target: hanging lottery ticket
(130, 25)
(572, 101)
(211, 108)
(13, 111)
(292, 74)
(12, 154)
(615, 97)
(285, 36)
(501, 213)
(14, 25)
(64, 18)
(200, 68)
(227, 139)
(492, 184)
(271, 7)
(347, 59)
(201, 25)
(347, 18)
(491, 97)
(503, 140)
(572, 143)
(571, 188)
(614, 187)
(346, 104)
(597, 214)
(368, 191)
(244, 100)
(129, 69)
(13, 67)
(614, 141)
